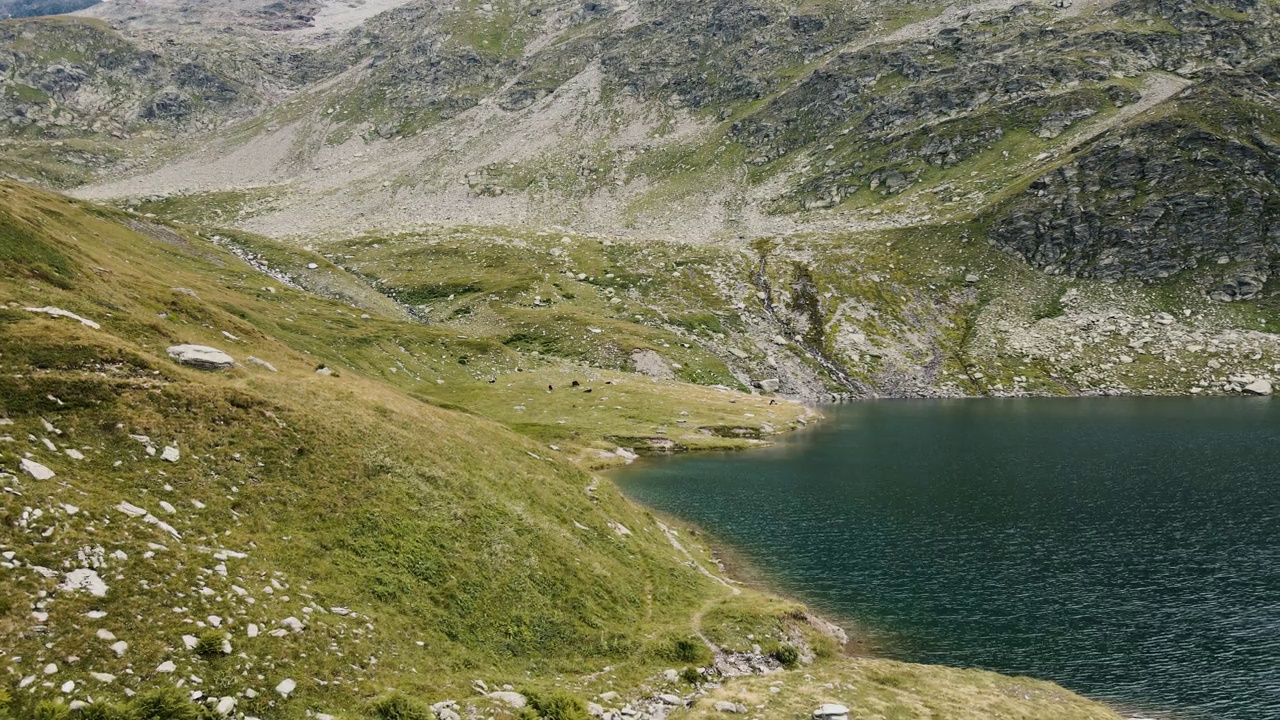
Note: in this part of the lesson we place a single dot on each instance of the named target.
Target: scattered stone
(831, 711)
(769, 384)
(514, 699)
(119, 647)
(103, 677)
(166, 667)
(170, 454)
(59, 312)
(725, 706)
(225, 705)
(261, 363)
(35, 469)
(201, 357)
(84, 579)
(286, 686)
(669, 699)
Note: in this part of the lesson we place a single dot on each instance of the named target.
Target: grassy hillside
(283, 543)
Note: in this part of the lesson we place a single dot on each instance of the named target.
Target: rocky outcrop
(1197, 187)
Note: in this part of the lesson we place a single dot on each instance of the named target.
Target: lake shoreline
(1165, 416)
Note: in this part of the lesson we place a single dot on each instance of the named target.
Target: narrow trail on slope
(695, 620)
(1158, 87)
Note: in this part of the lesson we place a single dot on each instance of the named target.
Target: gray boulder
(201, 357)
(1258, 387)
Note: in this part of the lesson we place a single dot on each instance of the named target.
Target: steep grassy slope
(282, 542)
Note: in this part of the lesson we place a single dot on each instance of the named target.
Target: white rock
(102, 677)
(105, 634)
(166, 667)
(831, 711)
(286, 686)
(725, 706)
(214, 621)
(261, 363)
(201, 357)
(190, 641)
(167, 507)
(669, 699)
(225, 705)
(74, 454)
(35, 469)
(130, 509)
(68, 686)
(1258, 387)
(292, 623)
(252, 630)
(170, 454)
(119, 647)
(50, 669)
(59, 312)
(514, 699)
(84, 579)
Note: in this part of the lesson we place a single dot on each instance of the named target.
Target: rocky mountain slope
(1111, 146)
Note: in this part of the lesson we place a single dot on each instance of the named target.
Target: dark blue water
(1128, 549)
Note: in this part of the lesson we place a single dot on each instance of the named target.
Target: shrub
(691, 675)
(558, 705)
(787, 656)
(49, 710)
(164, 704)
(690, 650)
(209, 644)
(399, 707)
(101, 711)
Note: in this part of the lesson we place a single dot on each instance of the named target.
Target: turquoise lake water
(1128, 549)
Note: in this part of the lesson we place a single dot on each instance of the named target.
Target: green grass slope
(280, 543)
